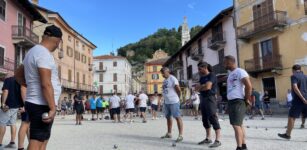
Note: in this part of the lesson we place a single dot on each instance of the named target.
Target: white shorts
(9, 117)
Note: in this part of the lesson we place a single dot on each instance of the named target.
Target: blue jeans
(172, 110)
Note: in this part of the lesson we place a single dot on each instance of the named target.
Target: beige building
(74, 56)
(272, 37)
(154, 79)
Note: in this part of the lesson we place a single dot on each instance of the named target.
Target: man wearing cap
(43, 87)
(171, 94)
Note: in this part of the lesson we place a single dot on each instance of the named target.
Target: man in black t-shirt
(299, 102)
(11, 101)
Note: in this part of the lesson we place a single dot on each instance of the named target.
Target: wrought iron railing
(263, 63)
(77, 86)
(275, 18)
(24, 32)
(216, 39)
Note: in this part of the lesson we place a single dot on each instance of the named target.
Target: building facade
(74, 56)
(112, 74)
(17, 37)
(153, 76)
(272, 37)
(216, 40)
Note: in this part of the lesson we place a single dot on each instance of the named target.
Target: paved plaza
(103, 135)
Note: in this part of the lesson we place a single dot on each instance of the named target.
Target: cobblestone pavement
(103, 135)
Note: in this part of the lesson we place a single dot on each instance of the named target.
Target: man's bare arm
(48, 91)
(248, 87)
(178, 91)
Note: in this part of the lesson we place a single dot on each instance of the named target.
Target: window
(77, 55)
(190, 72)
(69, 38)
(100, 89)
(155, 68)
(89, 51)
(155, 76)
(83, 59)
(115, 77)
(59, 72)
(100, 65)
(155, 88)
(69, 75)
(2, 9)
(83, 47)
(83, 79)
(267, 48)
(101, 77)
(69, 51)
(305, 4)
(77, 44)
(1, 56)
(115, 64)
(200, 47)
(89, 60)
(115, 88)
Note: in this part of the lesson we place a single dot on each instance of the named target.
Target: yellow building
(272, 37)
(154, 79)
(74, 56)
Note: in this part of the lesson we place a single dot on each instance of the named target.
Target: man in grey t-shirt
(43, 87)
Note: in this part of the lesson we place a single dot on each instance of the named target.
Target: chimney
(35, 2)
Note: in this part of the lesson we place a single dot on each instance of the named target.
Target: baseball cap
(53, 31)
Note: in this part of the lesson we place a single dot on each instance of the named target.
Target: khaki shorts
(196, 107)
(9, 117)
(237, 110)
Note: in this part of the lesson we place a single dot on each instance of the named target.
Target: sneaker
(215, 144)
(263, 118)
(144, 121)
(179, 139)
(11, 145)
(302, 126)
(244, 147)
(166, 136)
(285, 136)
(205, 141)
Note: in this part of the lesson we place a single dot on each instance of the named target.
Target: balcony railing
(219, 69)
(24, 34)
(77, 86)
(273, 20)
(7, 67)
(263, 64)
(101, 69)
(178, 65)
(217, 41)
(197, 55)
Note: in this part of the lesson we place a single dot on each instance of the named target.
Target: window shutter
(256, 57)
(276, 56)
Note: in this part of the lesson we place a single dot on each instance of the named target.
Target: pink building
(16, 36)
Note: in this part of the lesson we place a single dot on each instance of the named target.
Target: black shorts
(143, 109)
(93, 111)
(99, 109)
(297, 109)
(79, 108)
(130, 110)
(39, 130)
(154, 107)
(115, 111)
(25, 117)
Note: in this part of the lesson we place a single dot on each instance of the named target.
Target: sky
(111, 24)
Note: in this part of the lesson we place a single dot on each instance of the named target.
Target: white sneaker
(221, 120)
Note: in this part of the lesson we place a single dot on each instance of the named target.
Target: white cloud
(192, 5)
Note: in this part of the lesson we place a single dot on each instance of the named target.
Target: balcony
(197, 55)
(24, 36)
(61, 54)
(7, 67)
(66, 84)
(178, 65)
(263, 64)
(90, 67)
(217, 41)
(219, 69)
(276, 20)
(101, 69)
